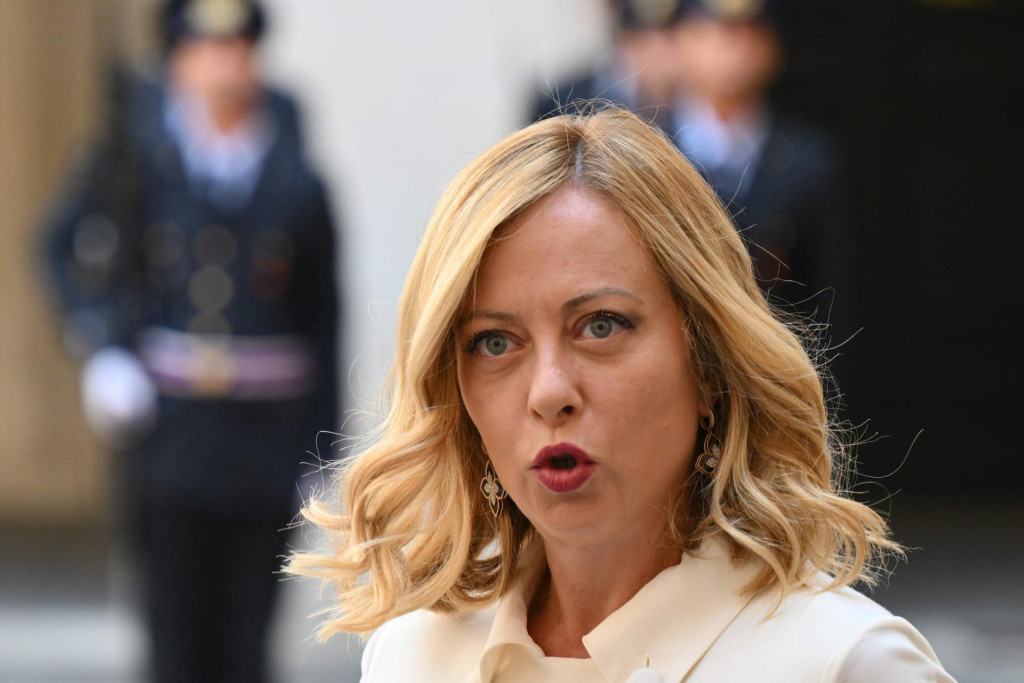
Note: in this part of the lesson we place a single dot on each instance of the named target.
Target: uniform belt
(186, 365)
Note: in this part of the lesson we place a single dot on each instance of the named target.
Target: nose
(554, 388)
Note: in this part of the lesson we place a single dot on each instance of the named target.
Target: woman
(605, 459)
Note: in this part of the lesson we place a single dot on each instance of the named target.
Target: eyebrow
(578, 301)
(490, 315)
(571, 304)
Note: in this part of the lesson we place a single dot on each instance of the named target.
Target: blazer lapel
(675, 618)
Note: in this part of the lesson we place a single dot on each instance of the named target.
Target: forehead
(568, 242)
(216, 45)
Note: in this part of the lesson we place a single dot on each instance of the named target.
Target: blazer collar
(673, 620)
(668, 625)
(508, 630)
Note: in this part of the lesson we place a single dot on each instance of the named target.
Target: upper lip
(548, 453)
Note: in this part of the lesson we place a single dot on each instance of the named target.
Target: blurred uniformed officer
(779, 177)
(701, 70)
(635, 75)
(194, 262)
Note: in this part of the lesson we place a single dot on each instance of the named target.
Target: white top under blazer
(689, 623)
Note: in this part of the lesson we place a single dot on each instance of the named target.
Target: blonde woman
(605, 459)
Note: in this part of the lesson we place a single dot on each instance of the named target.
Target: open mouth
(563, 462)
(561, 456)
(563, 467)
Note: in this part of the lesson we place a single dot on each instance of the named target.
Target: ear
(704, 400)
(709, 393)
(709, 382)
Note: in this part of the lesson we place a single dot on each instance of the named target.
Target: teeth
(563, 462)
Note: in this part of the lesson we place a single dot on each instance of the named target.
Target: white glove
(118, 397)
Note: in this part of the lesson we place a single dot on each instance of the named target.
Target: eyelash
(472, 344)
(621, 320)
(477, 338)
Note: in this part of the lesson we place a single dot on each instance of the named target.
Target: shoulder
(139, 105)
(815, 607)
(809, 136)
(826, 635)
(285, 111)
(815, 621)
(800, 147)
(427, 646)
(890, 652)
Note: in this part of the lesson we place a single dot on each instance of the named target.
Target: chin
(581, 523)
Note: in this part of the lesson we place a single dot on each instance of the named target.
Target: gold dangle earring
(708, 460)
(492, 489)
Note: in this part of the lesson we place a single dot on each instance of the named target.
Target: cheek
(491, 409)
(655, 404)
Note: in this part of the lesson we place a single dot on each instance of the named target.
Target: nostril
(568, 410)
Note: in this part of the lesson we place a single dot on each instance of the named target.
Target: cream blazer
(690, 623)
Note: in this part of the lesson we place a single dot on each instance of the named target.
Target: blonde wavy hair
(413, 530)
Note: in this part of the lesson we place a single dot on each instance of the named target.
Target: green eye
(600, 328)
(604, 324)
(493, 345)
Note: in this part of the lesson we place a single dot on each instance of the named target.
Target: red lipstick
(563, 467)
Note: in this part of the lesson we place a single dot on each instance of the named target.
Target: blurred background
(922, 100)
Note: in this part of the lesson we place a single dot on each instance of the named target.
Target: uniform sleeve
(87, 243)
(321, 303)
(85, 250)
(892, 652)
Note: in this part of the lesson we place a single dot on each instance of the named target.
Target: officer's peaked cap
(183, 19)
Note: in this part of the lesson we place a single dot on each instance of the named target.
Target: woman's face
(574, 365)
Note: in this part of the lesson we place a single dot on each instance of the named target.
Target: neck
(729, 109)
(584, 586)
(226, 118)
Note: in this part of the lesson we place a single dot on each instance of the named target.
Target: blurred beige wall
(51, 90)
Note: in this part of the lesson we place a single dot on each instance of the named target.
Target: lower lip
(564, 481)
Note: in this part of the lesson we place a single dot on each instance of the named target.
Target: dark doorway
(927, 99)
